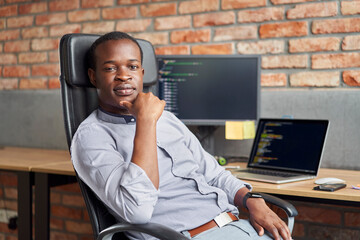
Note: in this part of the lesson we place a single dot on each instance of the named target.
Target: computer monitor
(210, 89)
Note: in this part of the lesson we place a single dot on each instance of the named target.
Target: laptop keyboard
(271, 173)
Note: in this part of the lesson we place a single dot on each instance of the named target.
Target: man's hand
(262, 217)
(147, 110)
(145, 107)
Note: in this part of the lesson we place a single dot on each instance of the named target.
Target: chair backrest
(79, 99)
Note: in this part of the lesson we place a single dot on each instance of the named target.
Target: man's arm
(262, 217)
(147, 109)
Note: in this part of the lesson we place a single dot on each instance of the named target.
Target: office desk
(20, 161)
(302, 190)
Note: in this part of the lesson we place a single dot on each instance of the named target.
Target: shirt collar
(115, 118)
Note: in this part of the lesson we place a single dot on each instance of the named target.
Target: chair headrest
(73, 55)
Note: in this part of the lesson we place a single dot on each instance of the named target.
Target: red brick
(50, 19)
(319, 215)
(33, 8)
(73, 187)
(261, 47)
(138, 25)
(119, 2)
(284, 61)
(63, 5)
(351, 43)
(158, 9)
(9, 34)
(342, 25)
(8, 83)
(54, 56)
(11, 193)
(19, 22)
(60, 30)
(165, 23)
(8, 179)
(226, 48)
(96, 3)
(45, 70)
(273, 80)
(214, 19)
(352, 78)
(16, 71)
(73, 200)
(44, 44)
(235, 33)
(66, 212)
(84, 15)
(313, 10)
(35, 32)
(284, 29)
(98, 27)
(33, 83)
(33, 57)
(119, 13)
(176, 50)
(57, 224)
(261, 15)
(54, 235)
(315, 79)
(340, 60)
(314, 44)
(2, 23)
(198, 6)
(290, 1)
(54, 83)
(190, 36)
(17, 46)
(159, 38)
(78, 227)
(7, 58)
(55, 198)
(7, 11)
(350, 7)
(235, 4)
(1, 50)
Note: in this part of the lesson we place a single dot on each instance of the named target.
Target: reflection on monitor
(210, 89)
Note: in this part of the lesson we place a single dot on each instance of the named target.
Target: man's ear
(91, 74)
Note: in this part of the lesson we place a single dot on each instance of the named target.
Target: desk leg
(42, 206)
(25, 205)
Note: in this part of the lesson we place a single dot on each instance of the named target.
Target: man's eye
(134, 67)
(109, 69)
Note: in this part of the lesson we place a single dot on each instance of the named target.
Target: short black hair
(107, 37)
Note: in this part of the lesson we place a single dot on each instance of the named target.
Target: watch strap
(250, 195)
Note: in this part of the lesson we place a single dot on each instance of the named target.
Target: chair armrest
(286, 206)
(153, 229)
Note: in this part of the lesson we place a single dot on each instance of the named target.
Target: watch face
(255, 195)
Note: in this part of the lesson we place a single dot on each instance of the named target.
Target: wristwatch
(250, 195)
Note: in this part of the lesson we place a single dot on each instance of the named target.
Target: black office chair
(79, 99)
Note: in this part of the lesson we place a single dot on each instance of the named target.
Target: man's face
(118, 75)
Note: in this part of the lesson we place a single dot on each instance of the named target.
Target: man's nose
(123, 74)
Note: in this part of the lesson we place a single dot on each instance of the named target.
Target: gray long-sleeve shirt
(193, 187)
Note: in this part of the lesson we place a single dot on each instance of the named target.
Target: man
(146, 166)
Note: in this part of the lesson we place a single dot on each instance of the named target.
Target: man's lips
(124, 90)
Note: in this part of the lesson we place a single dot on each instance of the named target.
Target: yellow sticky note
(234, 130)
(249, 130)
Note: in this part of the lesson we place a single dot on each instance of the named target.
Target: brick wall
(304, 43)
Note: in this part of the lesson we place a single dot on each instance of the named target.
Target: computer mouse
(329, 180)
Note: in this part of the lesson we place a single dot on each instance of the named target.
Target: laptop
(285, 150)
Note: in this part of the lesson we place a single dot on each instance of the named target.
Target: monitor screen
(210, 89)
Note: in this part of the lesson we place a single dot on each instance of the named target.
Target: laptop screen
(289, 144)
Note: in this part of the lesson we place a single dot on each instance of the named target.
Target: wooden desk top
(304, 188)
(22, 159)
(58, 162)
